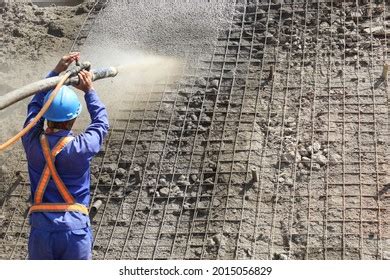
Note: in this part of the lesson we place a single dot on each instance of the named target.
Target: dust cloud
(138, 74)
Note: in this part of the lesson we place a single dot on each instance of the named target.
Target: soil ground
(34, 39)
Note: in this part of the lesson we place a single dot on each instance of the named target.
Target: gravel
(164, 191)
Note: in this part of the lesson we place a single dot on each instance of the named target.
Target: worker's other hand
(65, 61)
(85, 81)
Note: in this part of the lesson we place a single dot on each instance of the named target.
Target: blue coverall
(63, 235)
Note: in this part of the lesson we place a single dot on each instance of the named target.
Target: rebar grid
(293, 91)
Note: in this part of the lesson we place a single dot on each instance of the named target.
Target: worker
(59, 169)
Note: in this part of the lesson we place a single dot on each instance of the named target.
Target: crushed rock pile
(30, 33)
(33, 40)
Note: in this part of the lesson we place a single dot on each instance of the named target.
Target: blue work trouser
(60, 245)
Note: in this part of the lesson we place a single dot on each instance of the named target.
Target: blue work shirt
(72, 163)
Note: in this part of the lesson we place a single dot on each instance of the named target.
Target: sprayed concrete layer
(162, 27)
(148, 39)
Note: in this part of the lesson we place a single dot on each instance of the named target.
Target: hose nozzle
(81, 66)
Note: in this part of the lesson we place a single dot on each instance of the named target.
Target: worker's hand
(85, 81)
(65, 61)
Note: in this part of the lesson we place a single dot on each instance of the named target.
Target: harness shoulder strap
(50, 170)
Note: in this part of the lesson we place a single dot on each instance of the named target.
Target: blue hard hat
(65, 106)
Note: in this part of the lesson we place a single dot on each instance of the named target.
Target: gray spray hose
(49, 83)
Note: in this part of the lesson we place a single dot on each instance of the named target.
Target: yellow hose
(45, 107)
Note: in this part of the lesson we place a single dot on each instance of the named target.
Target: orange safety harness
(50, 171)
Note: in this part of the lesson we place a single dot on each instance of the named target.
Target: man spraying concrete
(59, 169)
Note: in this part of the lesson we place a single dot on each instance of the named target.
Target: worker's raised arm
(91, 140)
(37, 101)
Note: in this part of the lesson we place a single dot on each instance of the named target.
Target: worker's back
(59, 168)
(72, 163)
(73, 166)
